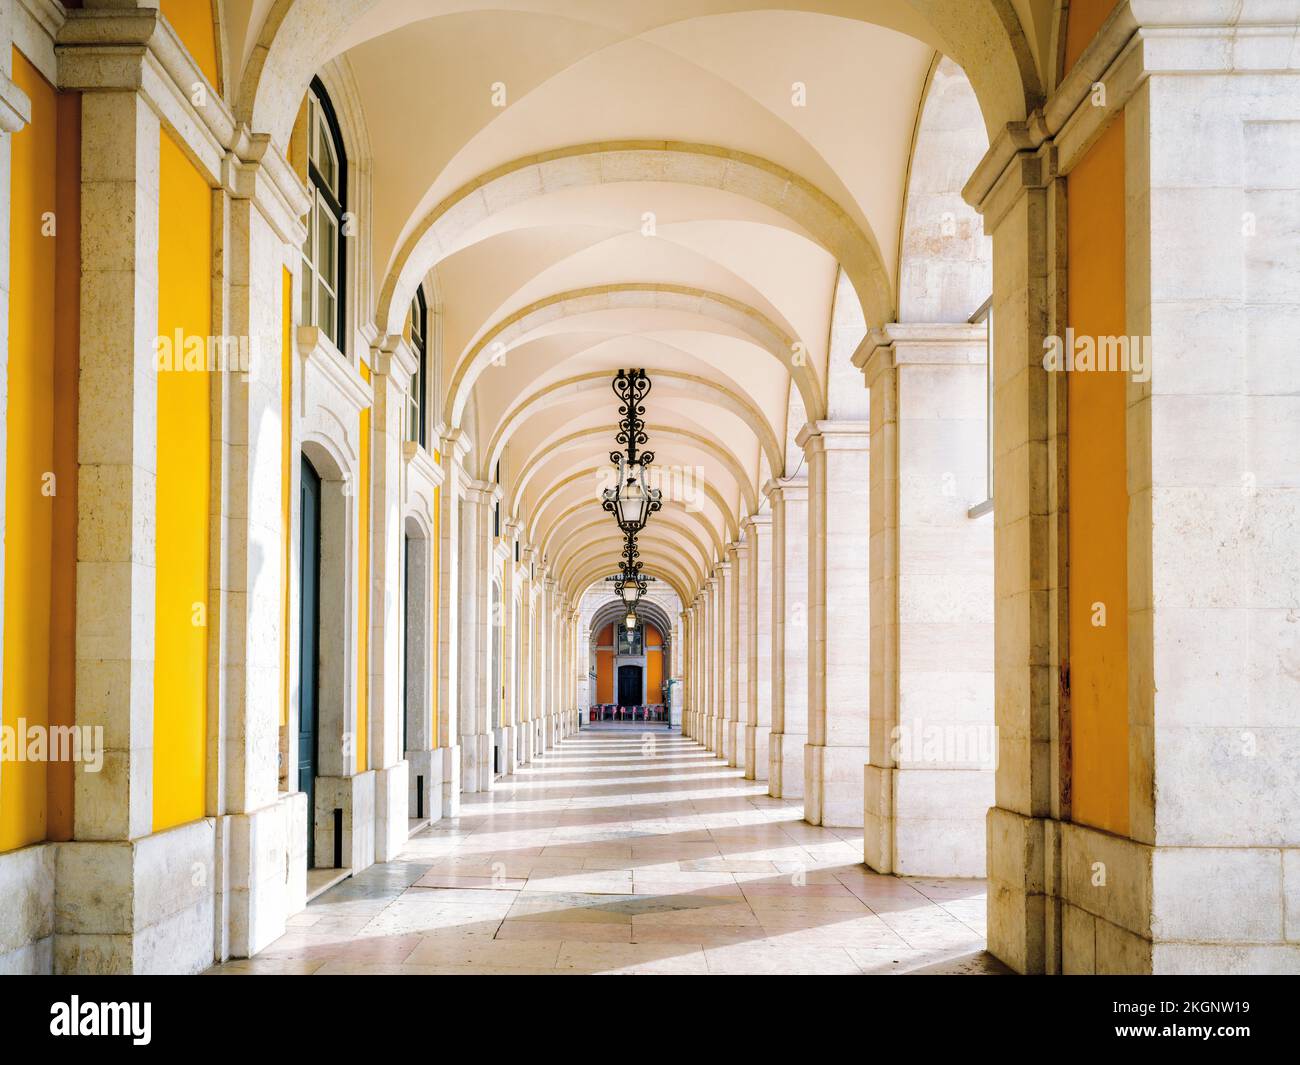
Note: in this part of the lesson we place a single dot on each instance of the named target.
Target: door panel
(309, 648)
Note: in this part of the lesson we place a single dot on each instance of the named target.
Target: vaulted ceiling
(592, 185)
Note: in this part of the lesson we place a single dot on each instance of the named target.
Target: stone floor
(617, 854)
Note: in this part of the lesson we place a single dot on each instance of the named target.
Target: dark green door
(309, 648)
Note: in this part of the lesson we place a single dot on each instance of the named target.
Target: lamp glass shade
(630, 621)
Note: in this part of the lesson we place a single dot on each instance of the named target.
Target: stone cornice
(928, 344)
(320, 354)
(15, 107)
(136, 49)
(1139, 38)
(422, 462)
(394, 358)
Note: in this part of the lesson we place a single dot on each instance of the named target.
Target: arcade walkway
(613, 854)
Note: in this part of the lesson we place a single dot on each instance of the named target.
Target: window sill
(980, 509)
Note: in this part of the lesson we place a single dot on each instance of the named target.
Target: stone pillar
(477, 625)
(929, 783)
(758, 628)
(738, 711)
(709, 636)
(527, 656)
(394, 364)
(722, 593)
(510, 658)
(129, 899)
(839, 592)
(454, 446)
(789, 500)
(549, 737)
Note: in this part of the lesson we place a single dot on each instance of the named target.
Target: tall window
(322, 254)
(415, 403)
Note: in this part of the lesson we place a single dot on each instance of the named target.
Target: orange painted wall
(1082, 21)
(182, 503)
(40, 515)
(1098, 492)
(604, 676)
(194, 24)
(67, 370)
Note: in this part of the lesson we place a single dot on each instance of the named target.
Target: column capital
(757, 521)
(795, 488)
(482, 492)
(392, 357)
(921, 344)
(455, 445)
(835, 436)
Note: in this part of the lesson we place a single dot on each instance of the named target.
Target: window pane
(325, 156)
(327, 238)
(308, 286)
(326, 317)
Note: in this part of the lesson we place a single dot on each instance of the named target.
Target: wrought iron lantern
(631, 501)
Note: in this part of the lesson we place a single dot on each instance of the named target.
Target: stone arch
(945, 262)
(714, 496)
(598, 381)
(765, 333)
(658, 432)
(603, 523)
(445, 228)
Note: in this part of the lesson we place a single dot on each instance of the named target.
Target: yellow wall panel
(1098, 493)
(194, 24)
(184, 451)
(286, 477)
(29, 441)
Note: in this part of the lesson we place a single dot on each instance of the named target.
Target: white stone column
(789, 500)
(738, 711)
(839, 592)
(527, 655)
(454, 446)
(929, 783)
(758, 709)
(722, 593)
(510, 660)
(394, 365)
(549, 737)
(708, 639)
(476, 628)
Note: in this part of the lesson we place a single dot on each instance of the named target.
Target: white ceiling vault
(681, 186)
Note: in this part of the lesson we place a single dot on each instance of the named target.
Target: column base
(257, 888)
(138, 906)
(353, 799)
(832, 781)
(734, 742)
(27, 878)
(757, 751)
(476, 764)
(450, 781)
(505, 741)
(424, 785)
(926, 822)
(785, 765)
(392, 811)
